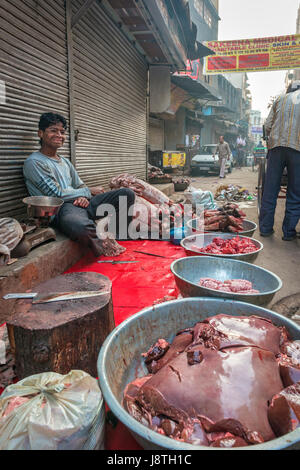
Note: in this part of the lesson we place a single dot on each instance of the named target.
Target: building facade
(89, 60)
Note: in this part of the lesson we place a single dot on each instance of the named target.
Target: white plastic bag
(204, 198)
(50, 411)
(11, 233)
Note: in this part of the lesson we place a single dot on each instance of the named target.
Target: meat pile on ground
(155, 173)
(227, 382)
(153, 210)
(234, 246)
(237, 286)
(226, 219)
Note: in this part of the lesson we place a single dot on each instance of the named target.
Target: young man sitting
(47, 173)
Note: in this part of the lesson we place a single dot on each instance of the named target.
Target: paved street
(282, 258)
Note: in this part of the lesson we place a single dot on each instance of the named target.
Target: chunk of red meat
(237, 285)
(284, 411)
(212, 227)
(248, 331)
(220, 395)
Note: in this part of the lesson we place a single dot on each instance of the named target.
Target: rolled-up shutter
(110, 85)
(34, 73)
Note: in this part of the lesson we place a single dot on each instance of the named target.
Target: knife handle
(30, 295)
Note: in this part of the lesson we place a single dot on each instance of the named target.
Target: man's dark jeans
(79, 224)
(278, 159)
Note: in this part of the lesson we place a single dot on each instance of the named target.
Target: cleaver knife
(55, 297)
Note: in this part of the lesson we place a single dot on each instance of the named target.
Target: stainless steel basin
(249, 227)
(120, 360)
(42, 206)
(189, 271)
(202, 240)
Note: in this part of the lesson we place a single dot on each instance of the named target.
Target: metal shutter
(110, 86)
(33, 65)
(156, 134)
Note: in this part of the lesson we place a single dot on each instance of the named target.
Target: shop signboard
(253, 55)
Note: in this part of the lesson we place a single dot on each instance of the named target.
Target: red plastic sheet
(135, 286)
(139, 285)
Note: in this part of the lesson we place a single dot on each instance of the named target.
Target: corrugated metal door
(33, 68)
(156, 134)
(110, 87)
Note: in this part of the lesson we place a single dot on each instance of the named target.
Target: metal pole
(68, 4)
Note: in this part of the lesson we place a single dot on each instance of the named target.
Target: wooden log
(62, 336)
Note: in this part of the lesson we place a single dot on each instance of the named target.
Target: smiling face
(54, 136)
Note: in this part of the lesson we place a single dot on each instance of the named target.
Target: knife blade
(117, 262)
(55, 297)
(150, 254)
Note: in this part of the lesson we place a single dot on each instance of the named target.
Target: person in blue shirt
(47, 173)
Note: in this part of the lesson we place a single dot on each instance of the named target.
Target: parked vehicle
(205, 161)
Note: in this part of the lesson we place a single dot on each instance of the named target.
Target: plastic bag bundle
(11, 233)
(53, 412)
(199, 197)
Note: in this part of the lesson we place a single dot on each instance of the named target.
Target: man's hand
(97, 190)
(81, 202)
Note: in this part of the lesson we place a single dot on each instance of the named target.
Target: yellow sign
(173, 160)
(253, 55)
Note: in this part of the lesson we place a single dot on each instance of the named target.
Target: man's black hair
(48, 119)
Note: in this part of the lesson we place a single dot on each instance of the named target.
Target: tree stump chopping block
(62, 336)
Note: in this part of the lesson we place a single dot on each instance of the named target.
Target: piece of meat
(235, 222)
(232, 229)
(157, 351)
(179, 345)
(210, 283)
(110, 247)
(221, 384)
(141, 188)
(235, 245)
(291, 349)
(238, 285)
(213, 220)
(221, 394)
(290, 373)
(229, 442)
(212, 228)
(252, 331)
(284, 410)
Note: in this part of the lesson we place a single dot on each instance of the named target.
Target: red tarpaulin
(135, 286)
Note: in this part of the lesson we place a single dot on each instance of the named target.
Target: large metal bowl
(120, 360)
(42, 206)
(189, 271)
(249, 227)
(203, 240)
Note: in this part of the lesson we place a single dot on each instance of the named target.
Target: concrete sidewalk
(282, 258)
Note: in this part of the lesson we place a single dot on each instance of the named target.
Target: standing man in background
(241, 144)
(223, 150)
(282, 128)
